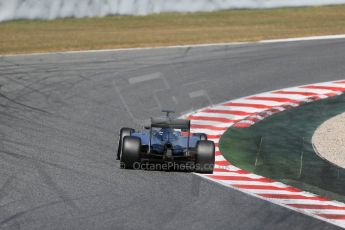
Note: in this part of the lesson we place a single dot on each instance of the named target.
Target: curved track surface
(60, 114)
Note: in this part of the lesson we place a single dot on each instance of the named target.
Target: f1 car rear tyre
(124, 132)
(202, 136)
(130, 152)
(205, 157)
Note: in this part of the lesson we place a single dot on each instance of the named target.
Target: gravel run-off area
(329, 140)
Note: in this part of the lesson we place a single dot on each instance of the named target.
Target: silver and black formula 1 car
(166, 141)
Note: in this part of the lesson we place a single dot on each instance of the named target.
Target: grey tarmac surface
(60, 115)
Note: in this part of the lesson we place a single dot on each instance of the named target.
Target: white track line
(272, 41)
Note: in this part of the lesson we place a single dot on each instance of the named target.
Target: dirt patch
(329, 140)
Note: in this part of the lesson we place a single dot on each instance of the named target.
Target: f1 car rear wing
(170, 123)
(184, 125)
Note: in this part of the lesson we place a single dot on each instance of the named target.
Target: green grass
(286, 153)
(25, 36)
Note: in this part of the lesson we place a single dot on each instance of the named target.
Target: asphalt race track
(60, 115)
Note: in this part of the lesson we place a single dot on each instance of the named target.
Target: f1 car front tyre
(124, 132)
(130, 152)
(205, 157)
